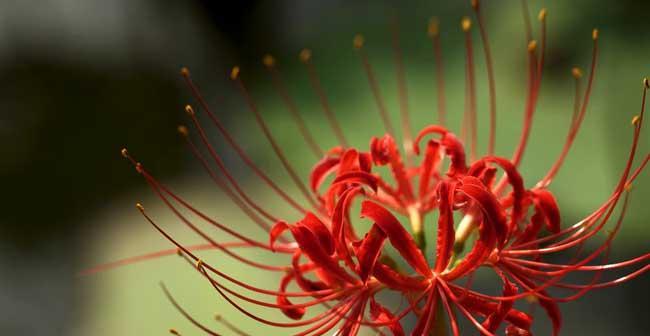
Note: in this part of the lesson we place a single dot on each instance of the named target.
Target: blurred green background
(80, 80)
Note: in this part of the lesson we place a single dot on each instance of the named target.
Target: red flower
(329, 264)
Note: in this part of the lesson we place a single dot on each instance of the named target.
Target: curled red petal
(368, 251)
(446, 237)
(394, 280)
(295, 313)
(304, 283)
(518, 190)
(401, 240)
(426, 131)
(546, 203)
(380, 314)
(494, 320)
(318, 228)
(308, 244)
(489, 205)
(384, 151)
(321, 170)
(476, 256)
(357, 177)
(484, 307)
(429, 165)
(275, 232)
(341, 228)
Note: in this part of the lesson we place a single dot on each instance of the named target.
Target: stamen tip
(475, 4)
(635, 120)
(358, 41)
(268, 60)
(182, 130)
(138, 167)
(532, 46)
(466, 23)
(124, 152)
(199, 263)
(542, 14)
(646, 83)
(628, 187)
(179, 252)
(189, 110)
(434, 27)
(576, 73)
(217, 317)
(234, 73)
(139, 207)
(305, 55)
(185, 72)
(174, 332)
(594, 34)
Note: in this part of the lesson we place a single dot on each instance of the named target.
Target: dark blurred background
(82, 79)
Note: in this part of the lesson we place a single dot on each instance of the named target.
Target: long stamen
(267, 133)
(185, 251)
(185, 314)
(575, 126)
(434, 34)
(358, 43)
(270, 63)
(490, 74)
(230, 326)
(577, 75)
(305, 58)
(542, 51)
(235, 146)
(402, 90)
(222, 184)
(466, 25)
(224, 170)
(527, 22)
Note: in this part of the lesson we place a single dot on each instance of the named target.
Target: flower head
(486, 214)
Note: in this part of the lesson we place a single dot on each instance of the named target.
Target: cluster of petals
(474, 212)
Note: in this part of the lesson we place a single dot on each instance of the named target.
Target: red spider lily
(329, 264)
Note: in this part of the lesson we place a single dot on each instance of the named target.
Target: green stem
(440, 325)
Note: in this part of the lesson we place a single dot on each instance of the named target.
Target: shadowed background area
(80, 80)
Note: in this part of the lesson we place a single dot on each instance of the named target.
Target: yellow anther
(268, 60)
(185, 72)
(466, 23)
(434, 27)
(305, 55)
(139, 207)
(628, 187)
(594, 34)
(124, 152)
(542, 14)
(182, 130)
(475, 4)
(189, 110)
(234, 73)
(358, 41)
(174, 332)
(646, 83)
(635, 120)
(576, 73)
(532, 46)
(179, 252)
(199, 263)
